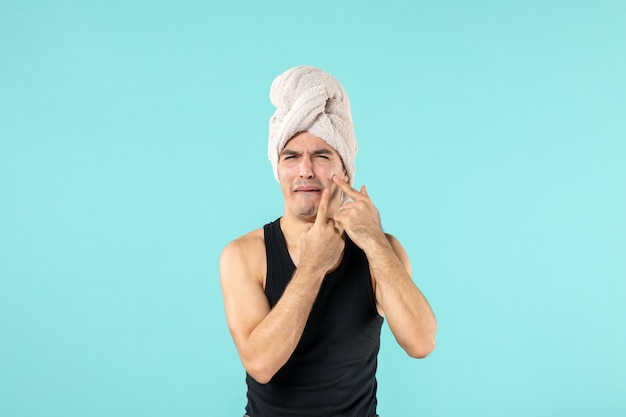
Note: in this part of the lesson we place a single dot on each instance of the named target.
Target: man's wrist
(376, 244)
(310, 270)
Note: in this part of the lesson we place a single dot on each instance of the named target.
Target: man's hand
(410, 318)
(321, 246)
(359, 218)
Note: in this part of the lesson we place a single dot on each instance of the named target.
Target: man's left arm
(407, 311)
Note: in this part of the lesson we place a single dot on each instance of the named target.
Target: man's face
(305, 167)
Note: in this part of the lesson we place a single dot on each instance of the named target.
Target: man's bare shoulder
(393, 241)
(249, 243)
(399, 251)
(246, 253)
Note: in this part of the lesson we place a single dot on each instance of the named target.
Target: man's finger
(322, 209)
(345, 187)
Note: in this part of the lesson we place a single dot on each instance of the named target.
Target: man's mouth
(307, 190)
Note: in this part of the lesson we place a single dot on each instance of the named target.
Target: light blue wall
(133, 148)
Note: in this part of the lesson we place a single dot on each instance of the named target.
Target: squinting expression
(305, 167)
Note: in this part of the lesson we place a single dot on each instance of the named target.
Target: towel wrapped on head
(308, 99)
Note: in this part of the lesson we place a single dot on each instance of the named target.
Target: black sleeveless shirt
(332, 372)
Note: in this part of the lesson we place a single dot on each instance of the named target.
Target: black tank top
(332, 372)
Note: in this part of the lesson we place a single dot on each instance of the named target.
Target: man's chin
(307, 213)
(308, 217)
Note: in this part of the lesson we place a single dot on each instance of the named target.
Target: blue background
(133, 148)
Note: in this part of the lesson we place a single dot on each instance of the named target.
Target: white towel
(309, 99)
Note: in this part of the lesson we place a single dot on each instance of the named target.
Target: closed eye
(323, 153)
(287, 154)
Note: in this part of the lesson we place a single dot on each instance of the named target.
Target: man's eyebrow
(322, 151)
(289, 152)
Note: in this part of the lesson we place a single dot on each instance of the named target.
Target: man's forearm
(274, 339)
(407, 311)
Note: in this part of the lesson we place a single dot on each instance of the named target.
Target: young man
(306, 294)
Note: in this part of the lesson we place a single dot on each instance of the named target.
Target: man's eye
(323, 156)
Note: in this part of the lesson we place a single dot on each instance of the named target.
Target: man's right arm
(265, 338)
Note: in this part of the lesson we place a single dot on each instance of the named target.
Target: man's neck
(293, 228)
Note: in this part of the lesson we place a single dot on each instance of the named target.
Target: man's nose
(306, 168)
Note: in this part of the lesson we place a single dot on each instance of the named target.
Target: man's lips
(307, 189)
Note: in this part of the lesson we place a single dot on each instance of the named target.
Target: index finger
(322, 209)
(345, 187)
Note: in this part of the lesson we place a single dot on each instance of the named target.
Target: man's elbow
(421, 348)
(261, 378)
(261, 373)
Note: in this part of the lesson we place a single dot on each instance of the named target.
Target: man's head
(308, 99)
(311, 138)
